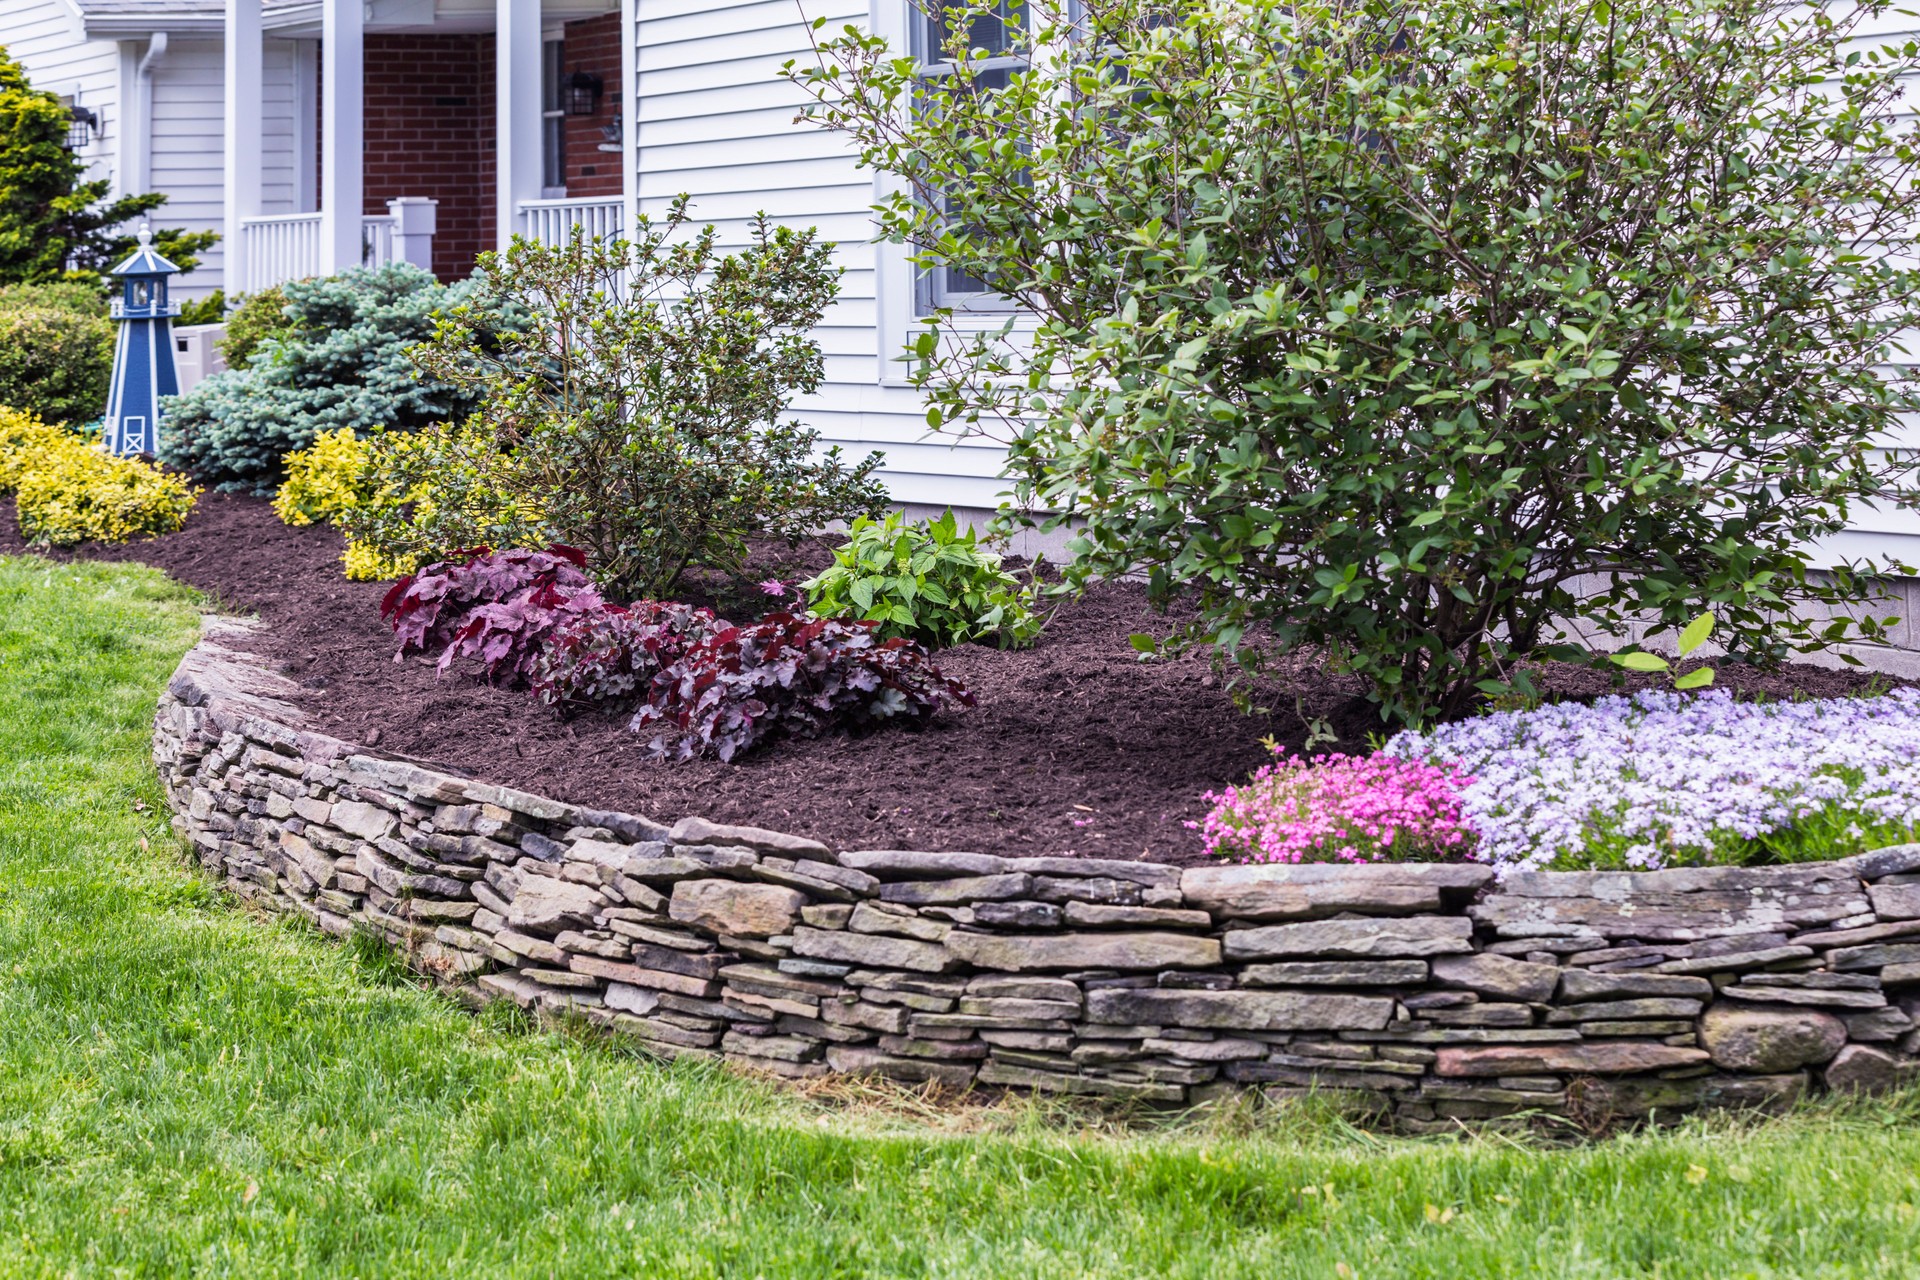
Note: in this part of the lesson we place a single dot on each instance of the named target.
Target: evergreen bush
(340, 362)
(56, 356)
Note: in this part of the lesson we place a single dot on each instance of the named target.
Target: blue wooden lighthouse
(143, 369)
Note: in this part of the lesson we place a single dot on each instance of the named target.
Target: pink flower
(1338, 808)
(774, 587)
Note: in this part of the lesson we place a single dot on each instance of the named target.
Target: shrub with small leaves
(427, 493)
(68, 491)
(429, 609)
(56, 360)
(324, 480)
(790, 677)
(925, 581)
(24, 437)
(611, 657)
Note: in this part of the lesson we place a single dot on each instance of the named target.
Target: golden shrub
(367, 564)
(23, 437)
(69, 491)
(324, 480)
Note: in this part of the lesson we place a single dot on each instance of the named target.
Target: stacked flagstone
(1426, 989)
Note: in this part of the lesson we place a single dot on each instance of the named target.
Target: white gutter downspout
(141, 178)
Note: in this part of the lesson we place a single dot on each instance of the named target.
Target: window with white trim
(1002, 37)
(553, 119)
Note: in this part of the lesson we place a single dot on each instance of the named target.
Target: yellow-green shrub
(324, 480)
(69, 491)
(22, 437)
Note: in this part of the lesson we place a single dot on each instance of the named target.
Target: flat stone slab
(909, 863)
(1309, 890)
(1336, 973)
(1614, 910)
(1016, 953)
(1497, 976)
(1583, 984)
(1412, 936)
(1240, 1010)
(1614, 1057)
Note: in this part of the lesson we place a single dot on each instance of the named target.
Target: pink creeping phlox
(1339, 808)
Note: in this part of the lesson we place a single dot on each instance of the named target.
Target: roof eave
(124, 26)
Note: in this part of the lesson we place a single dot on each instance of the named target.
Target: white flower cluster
(1665, 777)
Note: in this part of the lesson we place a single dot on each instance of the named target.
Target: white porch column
(516, 37)
(242, 105)
(342, 156)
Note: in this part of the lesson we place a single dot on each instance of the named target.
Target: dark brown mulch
(1076, 746)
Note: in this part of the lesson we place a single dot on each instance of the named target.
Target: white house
(265, 120)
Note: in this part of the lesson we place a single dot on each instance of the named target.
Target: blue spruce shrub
(342, 362)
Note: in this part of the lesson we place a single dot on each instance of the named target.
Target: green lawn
(189, 1089)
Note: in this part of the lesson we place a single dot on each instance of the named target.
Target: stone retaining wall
(1425, 988)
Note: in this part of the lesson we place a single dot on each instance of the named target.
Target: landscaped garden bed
(1076, 747)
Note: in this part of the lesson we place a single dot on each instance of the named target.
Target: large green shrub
(56, 357)
(1414, 332)
(636, 415)
(341, 361)
(78, 296)
(53, 224)
(259, 316)
(924, 580)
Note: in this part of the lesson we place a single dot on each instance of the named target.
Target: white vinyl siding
(714, 120)
(189, 127)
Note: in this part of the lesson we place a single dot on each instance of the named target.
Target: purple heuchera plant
(789, 676)
(1671, 774)
(611, 656)
(1338, 808)
(498, 607)
(426, 608)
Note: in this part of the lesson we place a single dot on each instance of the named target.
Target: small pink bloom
(774, 587)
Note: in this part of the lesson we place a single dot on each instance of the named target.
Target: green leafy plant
(1692, 637)
(924, 580)
(211, 309)
(638, 412)
(1435, 338)
(56, 358)
(338, 359)
(54, 225)
(259, 316)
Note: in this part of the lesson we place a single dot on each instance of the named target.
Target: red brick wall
(429, 132)
(593, 46)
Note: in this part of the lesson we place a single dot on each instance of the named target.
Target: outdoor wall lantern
(83, 126)
(583, 93)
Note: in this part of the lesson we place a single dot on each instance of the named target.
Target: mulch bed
(1076, 747)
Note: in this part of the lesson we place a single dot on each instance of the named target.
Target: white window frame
(550, 154)
(903, 293)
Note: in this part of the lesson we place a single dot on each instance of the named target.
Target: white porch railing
(279, 248)
(376, 241)
(551, 222)
(286, 246)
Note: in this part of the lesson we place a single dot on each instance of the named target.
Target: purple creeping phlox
(1338, 808)
(1663, 779)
